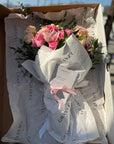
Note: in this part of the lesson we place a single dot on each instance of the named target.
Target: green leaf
(65, 14)
(60, 43)
(65, 35)
(25, 9)
(62, 20)
(70, 22)
(75, 32)
(96, 43)
(13, 48)
(90, 49)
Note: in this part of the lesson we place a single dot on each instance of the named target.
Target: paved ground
(111, 51)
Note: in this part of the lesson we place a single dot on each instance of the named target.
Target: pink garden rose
(38, 40)
(28, 38)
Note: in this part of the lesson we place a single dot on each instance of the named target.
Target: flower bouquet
(54, 36)
(53, 108)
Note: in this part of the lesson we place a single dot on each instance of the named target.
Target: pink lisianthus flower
(82, 33)
(50, 33)
(53, 45)
(50, 36)
(38, 40)
(52, 28)
(68, 31)
(28, 38)
(61, 33)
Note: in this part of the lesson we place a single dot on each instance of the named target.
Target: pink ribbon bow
(54, 91)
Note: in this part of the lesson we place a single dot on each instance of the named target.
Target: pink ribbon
(54, 91)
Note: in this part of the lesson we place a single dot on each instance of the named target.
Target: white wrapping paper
(75, 123)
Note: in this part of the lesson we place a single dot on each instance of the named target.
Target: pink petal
(53, 45)
(38, 40)
(61, 34)
(68, 31)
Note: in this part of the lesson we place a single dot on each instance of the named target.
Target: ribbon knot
(54, 91)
